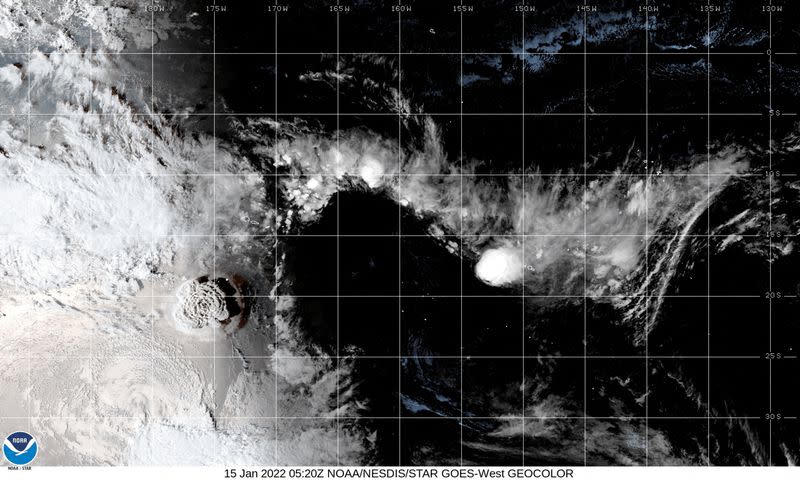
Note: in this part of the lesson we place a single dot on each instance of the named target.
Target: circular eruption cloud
(200, 304)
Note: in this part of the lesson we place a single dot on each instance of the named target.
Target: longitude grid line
(400, 238)
(769, 187)
(646, 322)
(153, 140)
(338, 362)
(708, 231)
(461, 234)
(338, 253)
(29, 48)
(524, 266)
(275, 232)
(93, 420)
(585, 267)
(214, 208)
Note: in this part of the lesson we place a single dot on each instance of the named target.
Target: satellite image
(406, 232)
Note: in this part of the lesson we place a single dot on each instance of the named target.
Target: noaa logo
(20, 448)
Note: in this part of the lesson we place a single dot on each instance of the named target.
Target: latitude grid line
(404, 356)
(393, 114)
(564, 235)
(619, 296)
(385, 357)
(352, 417)
(322, 174)
(698, 53)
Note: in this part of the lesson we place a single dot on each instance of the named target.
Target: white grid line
(352, 417)
(585, 242)
(708, 229)
(392, 114)
(613, 297)
(769, 187)
(29, 406)
(565, 175)
(152, 114)
(488, 235)
(461, 238)
(338, 264)
(390, 357)
(697, 53)
(399, 107)
(92, 423)
(214, 333)
(646, 324)
(275, 232)
(524, 267)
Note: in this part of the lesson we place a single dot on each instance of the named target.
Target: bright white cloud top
(499, 266)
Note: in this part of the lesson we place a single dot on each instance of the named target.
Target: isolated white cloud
(499, 266)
